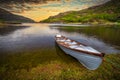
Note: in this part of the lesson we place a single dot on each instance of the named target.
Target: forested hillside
(108, 12)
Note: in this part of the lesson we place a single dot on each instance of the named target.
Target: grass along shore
(30, 66)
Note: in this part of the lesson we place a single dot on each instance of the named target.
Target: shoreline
(63, 24)
(90, 24)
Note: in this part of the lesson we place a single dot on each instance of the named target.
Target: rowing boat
(86, 55)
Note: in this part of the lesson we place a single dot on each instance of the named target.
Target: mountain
(42, 9)
(108, 12)
(9, 17)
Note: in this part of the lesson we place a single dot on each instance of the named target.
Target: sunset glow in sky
(40, 12)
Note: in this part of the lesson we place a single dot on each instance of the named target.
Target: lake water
(36, 41)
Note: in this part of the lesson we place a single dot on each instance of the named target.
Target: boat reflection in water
(86, 55)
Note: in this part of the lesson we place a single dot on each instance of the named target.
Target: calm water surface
(26, 38)
(32, 36)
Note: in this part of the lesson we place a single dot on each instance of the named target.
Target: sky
(40, 12)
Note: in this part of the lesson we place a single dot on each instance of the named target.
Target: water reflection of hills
(10, 29)
(108, 34)
(105, 39)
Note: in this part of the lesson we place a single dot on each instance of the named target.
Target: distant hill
(108, 12)
(9, 17)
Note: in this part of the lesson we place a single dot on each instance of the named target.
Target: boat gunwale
(86, 52)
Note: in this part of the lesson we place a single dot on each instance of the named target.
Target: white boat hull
(89, 61)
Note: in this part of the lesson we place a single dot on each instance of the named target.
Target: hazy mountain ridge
(6, 16)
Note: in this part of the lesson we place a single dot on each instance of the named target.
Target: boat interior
(74, 44)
